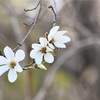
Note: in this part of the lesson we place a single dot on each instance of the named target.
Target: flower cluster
(42, 51)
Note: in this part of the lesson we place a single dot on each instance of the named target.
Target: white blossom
(10, 62)
(57, 38)
(41, 52)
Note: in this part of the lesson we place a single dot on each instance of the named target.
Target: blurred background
(75, 73)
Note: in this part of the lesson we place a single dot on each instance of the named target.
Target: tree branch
(32, 27)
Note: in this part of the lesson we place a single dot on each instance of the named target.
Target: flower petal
(61, 32)
(51, 46)
(3, 60)
(9, 53)
(36, 46)
(60, 45)
(38, 57)
(48, 49)
(54, 30)
(32, 53)
(43, 41)
(18, 68)
(3, 69)
(66, 39)
(63, 39)
(12, 75)
(20, 55)
(48, 58)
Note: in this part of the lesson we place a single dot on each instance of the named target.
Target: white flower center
(12, 64)
(43, 50)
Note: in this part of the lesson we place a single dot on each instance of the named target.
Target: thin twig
(28, 24)
(54, 10)
(33, 25)
(26, 10)
(55, 7)
(55, 13)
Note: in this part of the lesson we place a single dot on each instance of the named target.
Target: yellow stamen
(52, 40)
(43, 50)
(12, 64)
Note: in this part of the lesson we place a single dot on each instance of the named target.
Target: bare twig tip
(25, 10)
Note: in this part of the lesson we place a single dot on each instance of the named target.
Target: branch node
(19, 44)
